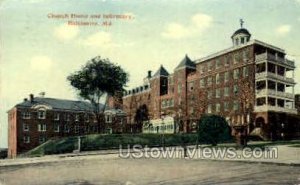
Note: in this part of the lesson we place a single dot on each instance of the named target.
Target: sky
(37, 53)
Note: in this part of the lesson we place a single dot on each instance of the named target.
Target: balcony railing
(263, 75)
(266, 108)
(270, 92)
(268, 56)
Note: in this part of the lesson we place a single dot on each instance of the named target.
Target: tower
(240, 36)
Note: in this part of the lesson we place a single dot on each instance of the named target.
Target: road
(110, 169)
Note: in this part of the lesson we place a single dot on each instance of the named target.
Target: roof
(161, 72)
(233, 48)
(58, 104)
(241, 30)
(186, 62)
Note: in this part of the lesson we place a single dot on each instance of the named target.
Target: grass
(109, 141)
(113, 141)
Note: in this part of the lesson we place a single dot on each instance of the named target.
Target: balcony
(270, 92)
(264, 75)
(268, 56)
(266, 108)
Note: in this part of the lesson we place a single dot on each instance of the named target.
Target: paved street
(110, 169)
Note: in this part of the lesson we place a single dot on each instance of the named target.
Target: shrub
(213, 129)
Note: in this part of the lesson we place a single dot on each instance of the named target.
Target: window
(171, 102)
(191, 86)
(218, 93)
(76, 130)
(25, 127)
(235, 105)
(191, 110)
(218, 107)
(41, 114)
(246, 54)
(202, 82)
(42, 127)
(26, 115)
(226, 91)
(66, 129)
(236, 74)
(42, 139)
(236, 58)
(242, 40)
(209, 108)
(245, 71)
(209, 94)
(226, 61)
(202, 68)
(26, 139)
(56, 116)
(209, 80)
(108, 118)
(67, 117)
(218, 63)
(235, 89)
(86, 118)
(77, 117)
(56, 127)
(209, 66)
(218, 78)
(226, 106)
(226, 76)
(179, 88)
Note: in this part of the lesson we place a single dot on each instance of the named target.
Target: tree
(98, 79)
(213, 129)
(141, 115)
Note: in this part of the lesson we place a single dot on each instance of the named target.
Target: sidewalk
(286, 156)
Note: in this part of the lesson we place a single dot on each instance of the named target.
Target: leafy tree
(98, 79)
(213, 129)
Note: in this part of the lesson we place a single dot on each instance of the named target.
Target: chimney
(149, 74)
(31, 97)
(25, 99)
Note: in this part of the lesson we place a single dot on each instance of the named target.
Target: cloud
(197, 25)
(283, 29)
(66, 32)
(40, 63)
(175, 31)
(100, 39)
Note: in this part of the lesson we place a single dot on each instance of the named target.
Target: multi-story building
(297, 103)
(251, 83)
(37, 119)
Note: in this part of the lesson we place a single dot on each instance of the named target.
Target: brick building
(251, 83)
(37, 119)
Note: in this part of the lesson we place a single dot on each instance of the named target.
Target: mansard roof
(186, 63)
(161, 72)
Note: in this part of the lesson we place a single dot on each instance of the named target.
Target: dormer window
(77, 117)
(108, 118)
(41, 114)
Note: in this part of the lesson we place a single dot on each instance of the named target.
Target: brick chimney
(149, 74)
(31, 97)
